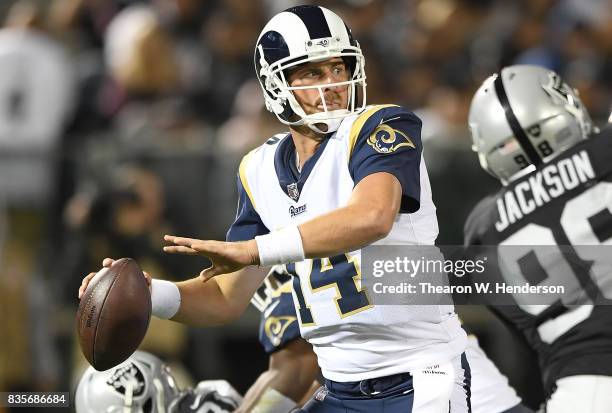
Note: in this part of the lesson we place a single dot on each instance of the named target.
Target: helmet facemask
(568, 98)
(279, 96)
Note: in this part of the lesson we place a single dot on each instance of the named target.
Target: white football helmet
(141, 384)
(523, 117)
(299, 35)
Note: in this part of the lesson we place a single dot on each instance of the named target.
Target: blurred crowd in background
(123, 120)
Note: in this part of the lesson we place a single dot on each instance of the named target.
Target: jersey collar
(290, 180)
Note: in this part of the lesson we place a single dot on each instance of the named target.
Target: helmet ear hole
(350, 63)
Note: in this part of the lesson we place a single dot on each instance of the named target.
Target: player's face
(320, 73)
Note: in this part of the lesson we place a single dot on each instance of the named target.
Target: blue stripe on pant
(467, 381)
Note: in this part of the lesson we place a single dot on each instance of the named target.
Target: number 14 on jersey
(341, 273)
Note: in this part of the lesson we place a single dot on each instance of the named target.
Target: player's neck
(306, 142)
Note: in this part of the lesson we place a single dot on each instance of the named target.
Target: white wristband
(165, 298)
(272, 401)
(280, 247)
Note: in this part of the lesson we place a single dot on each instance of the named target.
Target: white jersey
(353, 339)
(37, 88)
(490, 391)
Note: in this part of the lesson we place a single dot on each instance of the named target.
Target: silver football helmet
(523, 117)
(141, 384)
(299, 35)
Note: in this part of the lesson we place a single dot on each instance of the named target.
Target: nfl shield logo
(293, 192)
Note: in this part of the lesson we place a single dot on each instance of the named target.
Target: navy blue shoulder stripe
(313, 19)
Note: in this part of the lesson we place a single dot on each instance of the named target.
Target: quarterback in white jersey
(335, 314)
(344, 177)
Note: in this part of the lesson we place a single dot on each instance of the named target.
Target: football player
(294, 373)
(343, 177)
(143, 383)
(532, 132)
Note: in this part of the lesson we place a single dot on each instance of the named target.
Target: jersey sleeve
(478, 221)
(247, 224)
(278, 324)
(388, 139)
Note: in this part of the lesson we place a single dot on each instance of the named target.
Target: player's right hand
(106, 263)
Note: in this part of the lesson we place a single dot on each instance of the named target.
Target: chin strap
(323, 118)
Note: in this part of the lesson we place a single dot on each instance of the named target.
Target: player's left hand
(226, 257)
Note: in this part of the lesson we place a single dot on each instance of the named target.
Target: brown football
(114, 314)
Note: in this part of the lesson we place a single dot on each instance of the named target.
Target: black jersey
(568, 202)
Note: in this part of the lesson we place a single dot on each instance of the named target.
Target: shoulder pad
(371, 117)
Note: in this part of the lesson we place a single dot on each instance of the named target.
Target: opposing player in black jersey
(532, 132)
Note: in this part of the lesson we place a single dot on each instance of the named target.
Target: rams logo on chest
(385, 139)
